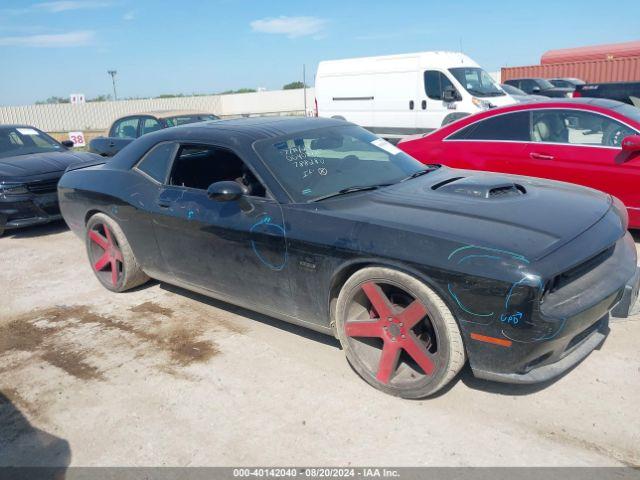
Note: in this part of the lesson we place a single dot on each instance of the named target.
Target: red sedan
(591, 142)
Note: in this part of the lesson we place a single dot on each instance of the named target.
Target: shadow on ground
(23, 445)
(255, 316)
(37, 230)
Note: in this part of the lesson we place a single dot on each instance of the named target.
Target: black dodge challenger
(31, 163)
(320, 223)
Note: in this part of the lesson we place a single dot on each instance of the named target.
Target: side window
(198, 166)
(150, 124)
(15, 139)
(527, 85)
(575, 127)
(434, 84)
(127, 128)
(157, 160)
(509, 127)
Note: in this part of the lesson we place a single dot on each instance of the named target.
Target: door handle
(112, 144)
(541, 156)
(424, 104)
(164, 203)
(411, 105)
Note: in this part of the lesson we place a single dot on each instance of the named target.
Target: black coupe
(320, 223)
(31, 163)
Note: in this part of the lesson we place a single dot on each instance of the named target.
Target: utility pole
(113, 74)
(304, 87)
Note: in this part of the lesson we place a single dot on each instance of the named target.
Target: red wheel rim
(106, 257)
(397, 342)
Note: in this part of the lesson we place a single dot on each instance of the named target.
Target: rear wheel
(397, 333)
(111, 257)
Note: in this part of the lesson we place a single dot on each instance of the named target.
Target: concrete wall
(98, 116)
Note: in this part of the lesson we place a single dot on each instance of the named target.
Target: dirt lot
(160, 376)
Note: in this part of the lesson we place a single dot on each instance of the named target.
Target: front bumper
(27, 210)
(569, 357)
(628, 298)
(578, 320)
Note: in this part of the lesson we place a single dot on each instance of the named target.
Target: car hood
(21, 167)
(532, 217)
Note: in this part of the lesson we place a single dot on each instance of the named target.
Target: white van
(398, 95)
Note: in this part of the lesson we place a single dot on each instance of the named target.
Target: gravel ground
(162, 376)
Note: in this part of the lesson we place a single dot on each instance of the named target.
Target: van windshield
(477, 82)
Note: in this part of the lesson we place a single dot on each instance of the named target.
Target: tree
(53, 100)
(294, 86)
(100, 98)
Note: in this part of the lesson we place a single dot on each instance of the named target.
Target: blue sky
(189, 46)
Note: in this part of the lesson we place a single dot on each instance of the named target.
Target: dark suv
(540, 86)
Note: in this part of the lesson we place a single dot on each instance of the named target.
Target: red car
(591, 142)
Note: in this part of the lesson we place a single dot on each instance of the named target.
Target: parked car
(627, 92)
(540, 86)
(31, 163)
(399, 95)
(566, 82)
(320, 223)
(591, 142)
(521, 97)
(126, 129)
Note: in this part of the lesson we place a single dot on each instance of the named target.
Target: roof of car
(169, 113)
(264, 127)
(596, 102)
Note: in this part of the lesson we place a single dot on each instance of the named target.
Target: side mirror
(450, 94)
(67, 143)
(631, 144)
(535, 90)
(226, 191)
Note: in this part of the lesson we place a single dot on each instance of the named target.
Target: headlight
(481, 104)
(619, 207)
(12, 189)
(569, 94)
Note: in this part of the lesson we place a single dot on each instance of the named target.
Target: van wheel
(111, 257)
(397, 333)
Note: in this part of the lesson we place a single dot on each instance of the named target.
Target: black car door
(234, 248)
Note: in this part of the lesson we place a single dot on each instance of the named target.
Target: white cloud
(129, 16)
(66, 5)
(80, 38)
(292, 27)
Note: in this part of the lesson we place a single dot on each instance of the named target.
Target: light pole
(304, 87)
(113, 74)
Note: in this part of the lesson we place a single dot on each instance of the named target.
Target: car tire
(397, 333)
(110, 255)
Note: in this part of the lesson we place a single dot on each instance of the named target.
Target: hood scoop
(480, 187)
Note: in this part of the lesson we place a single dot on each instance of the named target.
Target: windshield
(16, 141)
(185, 119)
(628, 111)
(322, 162)
(544, 84)
(511, 90)
(477, 82)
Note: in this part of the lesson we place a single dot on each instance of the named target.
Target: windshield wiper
(355, 188)
(419, 173)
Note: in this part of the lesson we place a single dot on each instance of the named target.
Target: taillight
(576, 94)
(315, 101)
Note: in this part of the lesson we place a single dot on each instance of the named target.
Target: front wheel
(397, 333)
(111, 257)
